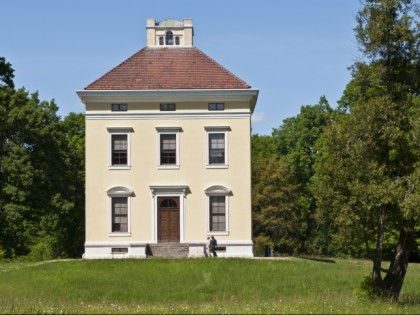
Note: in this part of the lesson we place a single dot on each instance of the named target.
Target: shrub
(43, 250)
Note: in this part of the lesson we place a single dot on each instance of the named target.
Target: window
(217, 153)
(161, 40)
(169, 38)
(216, 148)
(216, 106)
(119, 149)
(119, 214)
(119, 211)
(119, 250)
(168, 147)
(218, 210)
(177, 40)
(119, 107)
(217, 213)
(119, 157)
(167, 107)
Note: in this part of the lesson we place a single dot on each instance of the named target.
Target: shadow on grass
(320, 259)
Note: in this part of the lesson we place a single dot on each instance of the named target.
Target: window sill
(219, 233)
(217, 166)
(168, 167)
(119, 167)
(119, 234)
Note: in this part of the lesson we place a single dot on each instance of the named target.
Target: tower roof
(154, 68)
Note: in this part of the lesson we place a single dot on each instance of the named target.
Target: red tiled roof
(168, 68)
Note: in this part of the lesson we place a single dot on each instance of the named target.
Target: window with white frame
(168, 147)
(119, 214)
(217, 210)
(217, 147)
(119, 203)
(119, 147)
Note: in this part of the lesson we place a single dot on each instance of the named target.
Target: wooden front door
(168, 219)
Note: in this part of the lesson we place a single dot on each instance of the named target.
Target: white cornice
(181, 95)
(166, 116)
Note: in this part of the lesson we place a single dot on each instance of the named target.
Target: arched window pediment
(217, 190)
(119, 191)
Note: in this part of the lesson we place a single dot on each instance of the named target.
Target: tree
(295, 144)
(273, 213)
(41, 178)
(367, 175)
(6, 73)
(72, 219)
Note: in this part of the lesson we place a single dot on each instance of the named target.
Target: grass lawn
(195, 286)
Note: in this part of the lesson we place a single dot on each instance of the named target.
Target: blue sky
(293, 51)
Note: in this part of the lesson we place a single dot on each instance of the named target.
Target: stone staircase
(167, 250)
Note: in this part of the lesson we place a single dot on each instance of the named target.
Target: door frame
(168, 191)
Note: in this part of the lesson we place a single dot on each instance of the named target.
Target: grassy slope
(195, 286)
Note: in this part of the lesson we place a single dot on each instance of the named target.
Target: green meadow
(196, 286)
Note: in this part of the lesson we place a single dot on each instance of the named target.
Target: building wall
(144, 172)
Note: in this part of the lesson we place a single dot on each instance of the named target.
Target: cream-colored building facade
(168, 151)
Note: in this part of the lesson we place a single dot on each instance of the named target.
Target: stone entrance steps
(168, 250)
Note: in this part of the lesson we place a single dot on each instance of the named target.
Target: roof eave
(172, 95)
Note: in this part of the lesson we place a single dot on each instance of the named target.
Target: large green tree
(275, 218)
(295, 142)
(41, 179)
(367, 175)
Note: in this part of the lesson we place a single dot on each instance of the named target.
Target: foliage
(294, 144)
(6, 74)
(368, 289)
(41, 186)
(367, 174)
(274, 220)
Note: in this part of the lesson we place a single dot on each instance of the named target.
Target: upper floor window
(167, 107)
(168, 147)
(119, 107)
(119, 156)
(216, 106)
(119, 149)
(169, 38)
(177, 40)
(217, 148)
(161, 40)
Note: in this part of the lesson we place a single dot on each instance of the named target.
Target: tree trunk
(395, 275)
(377, 257)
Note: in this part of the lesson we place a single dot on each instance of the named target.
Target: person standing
(208, 246)
(213, 245)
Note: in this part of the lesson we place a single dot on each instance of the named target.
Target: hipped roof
(154, 68)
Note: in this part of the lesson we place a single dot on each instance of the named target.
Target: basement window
(119, 250)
